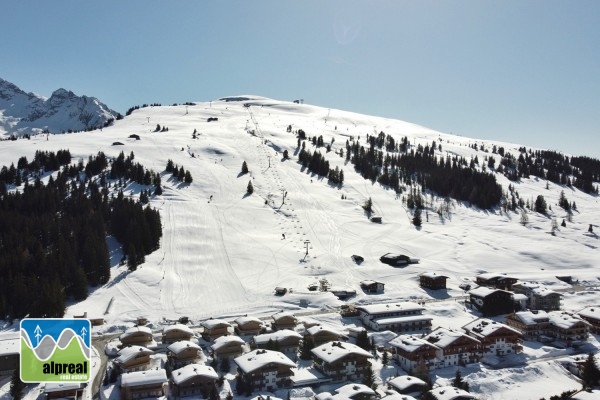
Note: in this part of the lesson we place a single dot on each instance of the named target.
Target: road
(99, 344)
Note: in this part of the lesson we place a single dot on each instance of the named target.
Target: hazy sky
(520, 71)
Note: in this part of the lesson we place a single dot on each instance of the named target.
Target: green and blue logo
(55, 350)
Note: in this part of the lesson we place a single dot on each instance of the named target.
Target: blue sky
(513, 70)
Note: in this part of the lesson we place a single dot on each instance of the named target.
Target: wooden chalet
(496, 281)
(533, 325)
(142, 384)
(193, 380)
(227, 347)
(176, 332)
(395, 260)
(321, 335)
(456, 348)
(284, 320)
(411, 351)
(539, 297)
(138, 335)
(183, 353)
(284, 341)
(372, 287)
(133, 358)
(63, 390)
(591, 315)
(431, 280)
(396, 317)
(341, 361)
(265, 369)
(490, 302)
(248, 326)
(495, 337)
(550, 326)
(214, 328)
(408, 385)
(568, 328)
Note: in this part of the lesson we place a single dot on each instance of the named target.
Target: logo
(55, 350)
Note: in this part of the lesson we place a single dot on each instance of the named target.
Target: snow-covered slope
(22, 112)
(223, 252)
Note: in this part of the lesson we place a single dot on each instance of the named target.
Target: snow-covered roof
(225, 340)
(370, 282)
(482, 291)
(433, 275)
(178, 327)
(588, 312)
(140, 378)
(282, 314)
(393, 395)
(410, 343)
(276, 336)
(60, 386)
(128, 353)
(492, 275)
(450, 393)
(134, 331)
(183, 374)
(260, 358)
(333, 351)
(244, 320)
(313, 330)
(214, 322)
(374, 309)
(519, 297)
(564, 320)
(353, 389)
(485, 327)
(531, 318)
(10, 346)
(443, 337)
(405, 381)
(180, 346)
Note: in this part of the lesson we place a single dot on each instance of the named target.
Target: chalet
(395, 260)
(373, 287)
(406, 384)
(431, 280)
(539, 296)
(176, 332)
(490, 302)
(533, 325)
(550, 326)
(496, 281)
(214, 328)
(10, 349)
(355, 391)
(589, 314)
(376, 219)
(450, 393)
(456, 348)
(141, 384)
(63, 390)
(183, 353)
(411, 351)
(321, 335)
(285, 341)
(342, 293)
(138, 335)
(248, 326)
(227, 347)
(495, 337)
(284, 320)
(133, 358)
(265, 369)
(193, 380)
(341, 361)
(568, 328)
(397, 317)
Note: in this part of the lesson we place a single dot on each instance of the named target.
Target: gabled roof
(353, 389)
(129, 353)
(178, 327)
(484, 291)
(139, 378)
(134, 331)
(565, 320)
(223, 341)
(443, 337)
(52, 387)
(246, 319)
(374, 309)
(282, 314)
(182, 345)
(530, 318)
(190, 371)
(260, 358)
(590, 312)
(370, 282)
(433, 275)
(485, 327)
(313, 330)
(276, 336)
(405, 381)
(410, 343)
(214, 322)
(333, 351)
(450, 393)
(494, 275)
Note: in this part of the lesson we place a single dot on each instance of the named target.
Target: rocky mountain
(25, 113)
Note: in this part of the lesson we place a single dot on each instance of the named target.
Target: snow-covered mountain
(64, 111)
(223, 251)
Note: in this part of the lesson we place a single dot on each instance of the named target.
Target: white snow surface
(222, 256)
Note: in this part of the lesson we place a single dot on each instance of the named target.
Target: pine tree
(368, 205)
(16, 384)
(591, 229)
(385, 358)
(250, 188)
(417, 221)
(459, 382)
(369, 378)
(590, 374)
(188, 177)
(244, 168)
(307, 345)
(286, 155)
(225, 364)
